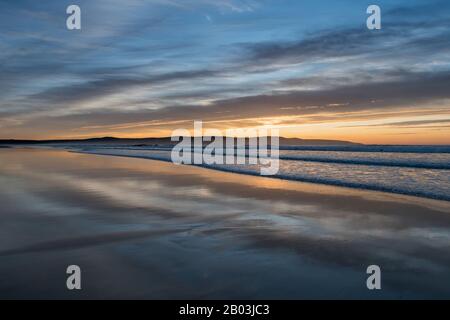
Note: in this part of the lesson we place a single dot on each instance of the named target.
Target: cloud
(416, 39)
(108, 85)
(158, 62)
(228, 5)
(412, 124)
(411, 93)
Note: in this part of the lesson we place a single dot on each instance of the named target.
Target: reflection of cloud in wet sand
(61, 202)
(77, 243)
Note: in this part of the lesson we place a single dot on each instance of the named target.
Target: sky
(142, 68)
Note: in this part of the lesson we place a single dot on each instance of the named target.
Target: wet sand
(152, 230)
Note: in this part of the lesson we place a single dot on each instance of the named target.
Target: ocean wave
(428, 183)
(371, 162)
(346, 184)
(430, 149)
(374, 148)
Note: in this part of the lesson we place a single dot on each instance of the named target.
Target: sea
(422, 171)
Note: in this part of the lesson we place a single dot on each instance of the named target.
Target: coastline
(313, 180)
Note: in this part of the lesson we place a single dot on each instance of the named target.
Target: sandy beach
(148, 229)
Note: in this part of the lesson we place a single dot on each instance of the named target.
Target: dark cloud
(109, 85)
(415, 89)
(352, 42)
(413, 124)
(338, 43)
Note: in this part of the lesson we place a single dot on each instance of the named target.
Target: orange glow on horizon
(394, 127)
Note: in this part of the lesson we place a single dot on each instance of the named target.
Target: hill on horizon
(166, 141)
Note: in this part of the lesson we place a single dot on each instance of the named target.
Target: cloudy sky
(141, 68)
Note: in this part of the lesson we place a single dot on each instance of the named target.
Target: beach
(147, 229)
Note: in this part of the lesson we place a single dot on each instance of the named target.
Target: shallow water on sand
(424, 174)
(149, 229)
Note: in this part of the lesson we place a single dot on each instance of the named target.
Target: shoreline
(354, 186)
(322, 188)
(330, 183)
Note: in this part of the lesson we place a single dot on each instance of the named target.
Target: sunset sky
(141, 68)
